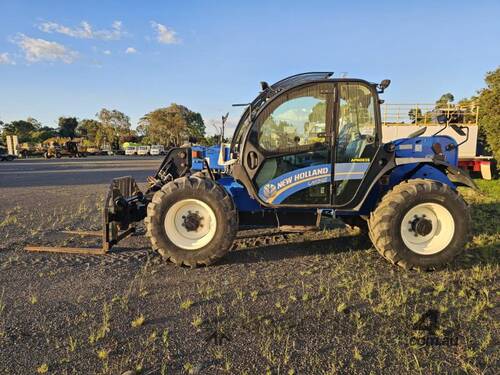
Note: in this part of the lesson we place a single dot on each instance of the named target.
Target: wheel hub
(421, 226)
(190, 224)
(427, 228)
(192, 221)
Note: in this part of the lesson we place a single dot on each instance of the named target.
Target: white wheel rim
(176, 230)
(439, 237)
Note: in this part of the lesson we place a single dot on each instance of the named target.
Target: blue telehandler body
(308, 145)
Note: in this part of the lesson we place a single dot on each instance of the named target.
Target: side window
(292, 132)
(356, 134)
(356, 121)
(296, 119)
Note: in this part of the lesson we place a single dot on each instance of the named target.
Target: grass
(334, 306)
(186, 304)
(104, 328)
(42, 369)
(137, 322)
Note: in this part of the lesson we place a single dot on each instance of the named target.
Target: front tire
(420, 224)
(192, 221)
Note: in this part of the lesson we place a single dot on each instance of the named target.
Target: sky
(72, 58)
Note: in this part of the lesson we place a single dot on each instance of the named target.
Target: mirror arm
(440, 130)
(452, 146)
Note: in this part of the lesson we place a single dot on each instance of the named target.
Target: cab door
(356, 138)
(288, 150)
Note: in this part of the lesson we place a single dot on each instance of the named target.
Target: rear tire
(420, 224)
(215, 217)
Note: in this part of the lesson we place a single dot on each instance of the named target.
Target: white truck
(143, 150)
(157, 150)
(400, 120)
(131, 150)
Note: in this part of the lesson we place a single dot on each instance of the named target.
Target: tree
(114, 118)
(196, 125)
(171, 125)
(318, 112)
(445, 100)
(89, 129)
(22, 128)
(45, 132)
(489, 111)
(415, 115)
(115, 126)
(212, 140)
(67, 126)
(37, 124)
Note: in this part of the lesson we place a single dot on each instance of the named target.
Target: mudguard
(457, 175)
(425, 157)
(433, 169)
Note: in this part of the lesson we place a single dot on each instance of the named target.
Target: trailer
(59, 147)
(5, 156)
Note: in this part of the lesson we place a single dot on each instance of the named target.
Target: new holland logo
(269, 190)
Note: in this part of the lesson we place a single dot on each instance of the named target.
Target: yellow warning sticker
(360, 160)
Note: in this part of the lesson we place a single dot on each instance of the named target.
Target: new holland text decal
(281, 187)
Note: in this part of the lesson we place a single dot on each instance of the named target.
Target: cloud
(107, 52)
(84, 31)
(6, 60)
(42, 50)
(130, 50)
(164, 34)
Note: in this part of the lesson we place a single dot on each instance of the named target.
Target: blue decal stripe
(281, 187)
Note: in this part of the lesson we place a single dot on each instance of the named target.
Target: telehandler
(306, 146)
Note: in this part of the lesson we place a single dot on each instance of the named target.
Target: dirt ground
(314, 303)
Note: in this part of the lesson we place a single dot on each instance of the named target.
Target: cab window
(355, 143)
(356, 121)
(294, 121)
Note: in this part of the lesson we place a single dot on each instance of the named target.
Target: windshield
(266, 95)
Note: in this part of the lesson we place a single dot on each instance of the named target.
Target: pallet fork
(111, 233)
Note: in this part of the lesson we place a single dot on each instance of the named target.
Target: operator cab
(309, 140)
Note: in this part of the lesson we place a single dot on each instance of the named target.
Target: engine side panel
(422, 148)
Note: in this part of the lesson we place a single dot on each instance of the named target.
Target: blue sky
(72, 58)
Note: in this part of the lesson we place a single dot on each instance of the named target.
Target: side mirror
(442, 119)
(383, 85)
(458, 130)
